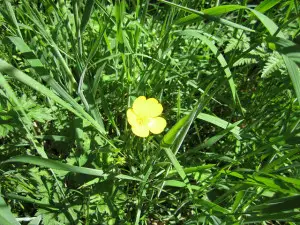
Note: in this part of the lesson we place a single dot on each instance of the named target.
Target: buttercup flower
(144, 117)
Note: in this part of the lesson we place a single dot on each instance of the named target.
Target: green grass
(227, 74)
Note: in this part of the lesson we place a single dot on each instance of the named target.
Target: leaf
(220, 57)
(219, 10)
(272, 183)
(29, 200)
(273, 63)
(286, 47)
(218, 122)
(212, 206)
(35, 221)
(288, 217)
(194, 169)
(36, 64)
(277, 205)
(172, 134)
(24, 119)
(49, 163)
(9, 9)
(178, 132)
(179, 184)
(212, 140)
(246, 60)
(22, 77)
(6, 217)
(55, 138)
(266, 5)
(53, 164)
(197, 14)
(294, 73)
(237, 201)
(178, 168)
(88, 9)
(280, 161)
(268, 23)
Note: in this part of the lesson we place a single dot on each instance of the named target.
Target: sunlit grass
(225, 74)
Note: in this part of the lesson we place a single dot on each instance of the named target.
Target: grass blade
(49, 163)
(12, 16)
(53, 164)
(222, 9)
(266, 5)
(6, 217)
(22, 77)
(268, 23)
(202, 14)
(294, 73)
(220, 57)
(277, 205)
(88, 10)
(178, 168)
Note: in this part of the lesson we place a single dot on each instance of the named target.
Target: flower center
(142, 120)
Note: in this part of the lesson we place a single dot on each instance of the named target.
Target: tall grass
(226, 73)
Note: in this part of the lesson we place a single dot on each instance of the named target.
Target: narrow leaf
(6, 217)
(294, 73)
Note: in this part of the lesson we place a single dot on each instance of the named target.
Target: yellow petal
(154, 108)
(139, 106)
(141, 131)
(157, 125)
(152, 100)
(131, 117)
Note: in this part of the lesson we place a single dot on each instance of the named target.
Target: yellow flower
(144, 117)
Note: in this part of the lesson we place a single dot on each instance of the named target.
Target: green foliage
(274, 62)
(227, 76)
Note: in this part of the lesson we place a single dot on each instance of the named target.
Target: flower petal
(140, 130)
(152, 100)
(157, 125)
(139, 106)
(154, 108)
(131, 117)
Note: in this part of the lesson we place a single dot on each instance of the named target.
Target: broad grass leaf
(212, 206)
(219, 10)
(282, 216)
(176, 135)
(218, 122)
(6, 217)
(268, 23)
(280, 160)
(272, 184)
(53, 164)
(178, 168)
(277, 205)
(294, 73)
(173, 133)
(88, 10)
(179, 184)
(286, 47)
(195, 14)
(189, 170)
(238, 200)
(181, 130)
(266, 5)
